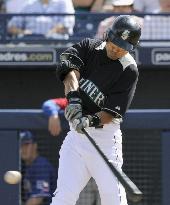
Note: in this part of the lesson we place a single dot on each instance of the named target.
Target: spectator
(2, 6)
(16, 6)
(88, 5)
(49, 26)
(165, 6)
(118, 6)
(39, 176)
(145, 6)
(108, 6)
(52, 108)
(156, 27)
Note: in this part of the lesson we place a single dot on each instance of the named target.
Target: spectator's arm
(67, 22)
(16, 31)
(59, 28)
(35, 201)
(51, 108)
(97, 6)
(85, 3)
(15, 25)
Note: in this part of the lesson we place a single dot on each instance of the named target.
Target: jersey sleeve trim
(127, 60)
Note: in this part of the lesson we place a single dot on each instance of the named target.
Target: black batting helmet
(125, 32)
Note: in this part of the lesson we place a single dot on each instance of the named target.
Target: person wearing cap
(39, 176)
(118, 6)
(99, 80)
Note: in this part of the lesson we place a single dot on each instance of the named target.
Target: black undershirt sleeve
(80, 50)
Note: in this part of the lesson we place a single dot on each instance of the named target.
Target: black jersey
(105, 84)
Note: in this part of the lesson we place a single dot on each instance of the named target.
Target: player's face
(27, 151)
(114, 52)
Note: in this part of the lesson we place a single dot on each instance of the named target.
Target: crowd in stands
(64, 26)
(118, 6)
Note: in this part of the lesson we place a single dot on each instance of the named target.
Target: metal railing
(155, 27)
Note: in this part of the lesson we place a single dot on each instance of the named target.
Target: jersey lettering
(92, 91)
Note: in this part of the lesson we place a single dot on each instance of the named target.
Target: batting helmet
(125, 32)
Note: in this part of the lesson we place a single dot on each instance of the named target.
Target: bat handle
(135, 197)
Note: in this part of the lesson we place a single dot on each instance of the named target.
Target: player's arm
(116, 104)
(73, 59)
(71, 82)
(74, 108)
(35, 201)
(72, 62)
(52, 108)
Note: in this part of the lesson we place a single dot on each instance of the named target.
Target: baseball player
(100, 78)
(39, 176)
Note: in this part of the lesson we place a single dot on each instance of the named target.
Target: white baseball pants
(79, 161)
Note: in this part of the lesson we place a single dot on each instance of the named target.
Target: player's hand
(79, 124)
(54, 125)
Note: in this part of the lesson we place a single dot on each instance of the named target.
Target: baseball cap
(122, 2)
(26, 137)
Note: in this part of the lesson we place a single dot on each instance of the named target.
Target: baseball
(12, 177)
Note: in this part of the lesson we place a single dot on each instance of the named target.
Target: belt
(99, 127)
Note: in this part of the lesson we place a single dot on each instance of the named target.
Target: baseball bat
(133, 193)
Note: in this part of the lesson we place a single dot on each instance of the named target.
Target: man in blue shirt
(39, 176)
(46, 25)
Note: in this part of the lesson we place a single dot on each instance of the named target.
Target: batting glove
(74, 108)
(79, 124)
(86, 121)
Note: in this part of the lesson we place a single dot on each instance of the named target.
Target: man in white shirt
(156, 27)
(16, 6)
(151, 6)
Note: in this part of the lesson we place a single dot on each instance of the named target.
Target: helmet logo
(125, 34)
